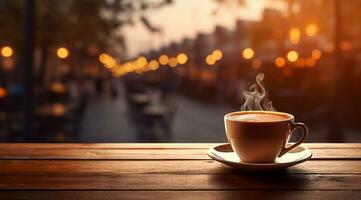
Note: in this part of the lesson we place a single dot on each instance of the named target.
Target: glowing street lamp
(311, 29)
(62, 52)
(153, 65)
(292, 56)
(173, 62)
(141, 62)
(217, 54)
(210, 60)
(294, 35)
(7, 51)
(103, 58)
(248, 53)
(182, 58)
(163, 59)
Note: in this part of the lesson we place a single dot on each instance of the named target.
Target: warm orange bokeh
(62, 52)
(173, 62)
(141, 62)
(217, 54)
(2, 92)
(316, 54)
(292, 56)
(7, 51)
(210, 60)
(248, 53)
(182, 58)
(311, 30)
(153, 65)
(280, 62)
(163, 59)
(294, 35)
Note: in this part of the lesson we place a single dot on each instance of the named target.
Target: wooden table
(168, 171)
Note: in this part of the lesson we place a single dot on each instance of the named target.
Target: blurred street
(106, 120)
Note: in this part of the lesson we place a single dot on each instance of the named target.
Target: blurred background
(168, 70)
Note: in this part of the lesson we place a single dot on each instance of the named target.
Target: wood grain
(144, 154)
(78, 167)
(169, 171)
(178, 195)
(164, 181)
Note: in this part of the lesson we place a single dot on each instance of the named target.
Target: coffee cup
(261, 136)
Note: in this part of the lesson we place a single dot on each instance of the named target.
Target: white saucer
(224, 153)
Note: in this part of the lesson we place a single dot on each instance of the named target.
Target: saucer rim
(217, 158)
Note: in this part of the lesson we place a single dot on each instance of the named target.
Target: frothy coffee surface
(258, 117)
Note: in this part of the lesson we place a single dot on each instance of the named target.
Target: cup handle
(294, 126)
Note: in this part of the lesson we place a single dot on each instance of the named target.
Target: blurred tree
(86, 27)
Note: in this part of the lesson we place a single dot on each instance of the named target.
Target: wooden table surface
(169, 171)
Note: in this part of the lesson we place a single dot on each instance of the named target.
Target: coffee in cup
(261, 136)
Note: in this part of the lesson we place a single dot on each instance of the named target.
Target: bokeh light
(109, 62)
(182, 58)
(292, 56)
(248, 53)
(217, 54)
(62, 52)
(58, 109)
(311, 29)
(103, 57)
(153, 65)
(163, 59)
(294, 35)
(173, 62)
(2, 92)
(7, 51)
(280, 62)
(316, 54)
(210, 60)
(141, 62)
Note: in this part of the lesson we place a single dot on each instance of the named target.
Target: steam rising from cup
(256, 96)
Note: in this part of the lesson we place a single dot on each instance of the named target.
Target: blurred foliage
(76, 23)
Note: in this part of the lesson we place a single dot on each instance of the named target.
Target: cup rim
(291, 117)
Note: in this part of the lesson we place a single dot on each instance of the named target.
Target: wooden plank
(111, 145)
(50, 153)
(78, 167)
(179, 195)
(142, 154)
(246, 181)
(154, 145)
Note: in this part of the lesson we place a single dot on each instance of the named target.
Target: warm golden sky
(185, 18)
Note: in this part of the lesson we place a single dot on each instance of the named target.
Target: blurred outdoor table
(169, 171)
